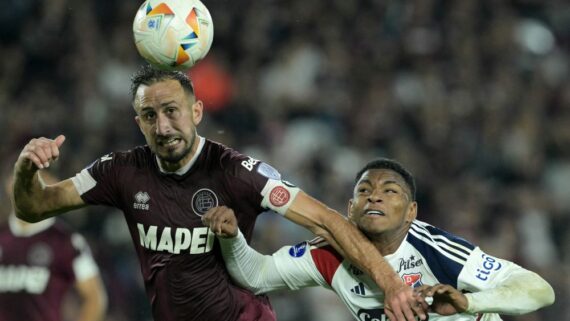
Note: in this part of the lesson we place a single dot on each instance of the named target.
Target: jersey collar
(30, 229)
(184, 169)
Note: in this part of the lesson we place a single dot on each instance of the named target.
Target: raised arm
(352, 244)
(33, 199)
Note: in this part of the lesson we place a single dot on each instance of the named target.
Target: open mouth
(375, 213)
(169, 142)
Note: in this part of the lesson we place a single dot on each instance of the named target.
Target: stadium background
(472, 96)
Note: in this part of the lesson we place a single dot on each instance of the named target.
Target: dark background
(472, 96)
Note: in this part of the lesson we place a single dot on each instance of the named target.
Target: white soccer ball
(173, 34)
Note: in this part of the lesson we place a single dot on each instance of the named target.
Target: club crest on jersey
(298, 250)
(141, 201)
(413, 279)
(203, 200)
(279, 196)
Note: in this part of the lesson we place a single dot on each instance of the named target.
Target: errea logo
(141, 201)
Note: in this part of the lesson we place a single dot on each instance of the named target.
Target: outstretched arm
(353, 245)
(33, 199)
(247, 267)
(521, 292)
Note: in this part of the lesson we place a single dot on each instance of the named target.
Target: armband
(278, 195)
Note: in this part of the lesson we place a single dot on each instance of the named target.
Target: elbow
(541, 294)
(546, 294)
(28, 215)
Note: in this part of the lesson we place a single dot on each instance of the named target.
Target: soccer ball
(173, 34)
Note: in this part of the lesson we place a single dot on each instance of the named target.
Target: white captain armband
(278, 195)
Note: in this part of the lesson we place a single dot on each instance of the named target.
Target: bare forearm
(27, 190)
(94, 300)
(360, 251)
(345, 237)
(92, 311)
(35, 201)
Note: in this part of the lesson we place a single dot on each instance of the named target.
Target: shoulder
(437, 237)
(327, 260)
(236, 164)
(113, 165)
(445, 253)
(138, 156)
(227, 158)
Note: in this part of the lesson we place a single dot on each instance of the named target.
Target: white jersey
(428, 256)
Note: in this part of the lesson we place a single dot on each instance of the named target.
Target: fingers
(438, 288)
(404, 305)
(221, 220)
(423, 302)
(390, 314)
(59, 140)
(42, 151)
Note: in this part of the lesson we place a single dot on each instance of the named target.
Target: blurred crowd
(472, 96)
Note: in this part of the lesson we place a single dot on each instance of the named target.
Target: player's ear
(349, 209)
(412, 212)
(197, 111)
(138, 120)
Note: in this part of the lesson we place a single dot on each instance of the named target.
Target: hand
(402, 303)
(39, 153)
(222, 221)
(446, 299)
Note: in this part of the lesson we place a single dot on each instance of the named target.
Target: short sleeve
(97, 183)
(84, 266)
(258, 183)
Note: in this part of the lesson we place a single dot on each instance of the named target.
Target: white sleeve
(84, 266)
(501, 286)
(264, 273)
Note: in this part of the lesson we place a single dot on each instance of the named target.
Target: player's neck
(183, 165)
(388, 242)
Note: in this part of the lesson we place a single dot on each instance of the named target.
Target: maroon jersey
(37, 267)
(182, 266)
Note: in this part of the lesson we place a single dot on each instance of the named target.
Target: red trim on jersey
(327, 261)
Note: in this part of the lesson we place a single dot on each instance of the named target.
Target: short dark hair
(385, 163)
(148, 75)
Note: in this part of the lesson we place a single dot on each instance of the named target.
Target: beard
(174, 156)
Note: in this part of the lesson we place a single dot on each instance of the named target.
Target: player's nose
(163, 125)
(375, 197)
